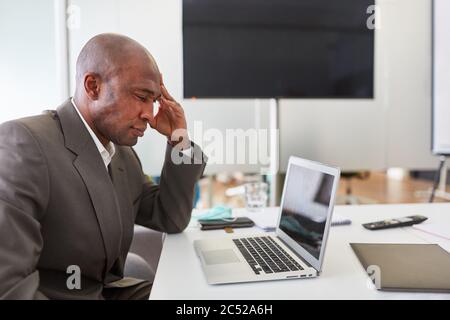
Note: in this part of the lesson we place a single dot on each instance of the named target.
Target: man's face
(126, 103)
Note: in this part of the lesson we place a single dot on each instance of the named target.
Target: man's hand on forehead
(170, 120)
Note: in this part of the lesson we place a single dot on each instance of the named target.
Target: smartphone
(241, 222)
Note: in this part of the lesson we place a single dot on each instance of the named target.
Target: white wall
(441, 112)
(409, 99)
(28, 82)
(392, 130)
(157, 24)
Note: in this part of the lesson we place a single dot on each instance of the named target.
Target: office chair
(143, 257)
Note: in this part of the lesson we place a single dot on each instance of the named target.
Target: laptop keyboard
(263, 254)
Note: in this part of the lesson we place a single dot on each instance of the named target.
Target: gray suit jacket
(59, 207)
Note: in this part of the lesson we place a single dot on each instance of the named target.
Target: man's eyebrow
(149, 92)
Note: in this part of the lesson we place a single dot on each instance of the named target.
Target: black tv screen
(278, 49)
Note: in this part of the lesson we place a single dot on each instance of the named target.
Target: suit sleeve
(167, 207)
(24, 192)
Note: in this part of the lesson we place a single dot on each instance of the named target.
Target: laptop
(296, 249)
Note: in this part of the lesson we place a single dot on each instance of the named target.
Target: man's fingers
(164, 90)
(166, 93)
(167, 108)
(170, 117)
(174, 106)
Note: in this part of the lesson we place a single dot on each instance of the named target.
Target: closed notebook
(241, 222)
(406, 267)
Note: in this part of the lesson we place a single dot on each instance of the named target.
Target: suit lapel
(120, 182)
(91, 168)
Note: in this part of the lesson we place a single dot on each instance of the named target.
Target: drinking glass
(256, 196)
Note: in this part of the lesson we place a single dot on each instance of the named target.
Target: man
(72, 188)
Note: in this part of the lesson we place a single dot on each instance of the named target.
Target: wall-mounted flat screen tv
(278, 48)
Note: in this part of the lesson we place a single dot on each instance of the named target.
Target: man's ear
(92, 85)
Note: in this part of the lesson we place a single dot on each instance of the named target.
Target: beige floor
(378, 188)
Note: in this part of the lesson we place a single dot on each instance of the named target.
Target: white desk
(180, 276)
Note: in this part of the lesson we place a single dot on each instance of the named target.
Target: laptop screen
(305, 206)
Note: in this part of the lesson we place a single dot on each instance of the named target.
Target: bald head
(110, 54)
(117, 81)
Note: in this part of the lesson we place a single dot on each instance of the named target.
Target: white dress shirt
(106, 153)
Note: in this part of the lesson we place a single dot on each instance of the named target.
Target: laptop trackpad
(220, 256)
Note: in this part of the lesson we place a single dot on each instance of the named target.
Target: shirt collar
(106, 153)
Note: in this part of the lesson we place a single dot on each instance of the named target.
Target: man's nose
(147, 112)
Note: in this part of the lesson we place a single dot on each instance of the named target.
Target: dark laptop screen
(304, 213)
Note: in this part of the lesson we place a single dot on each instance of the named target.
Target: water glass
(256, 196)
